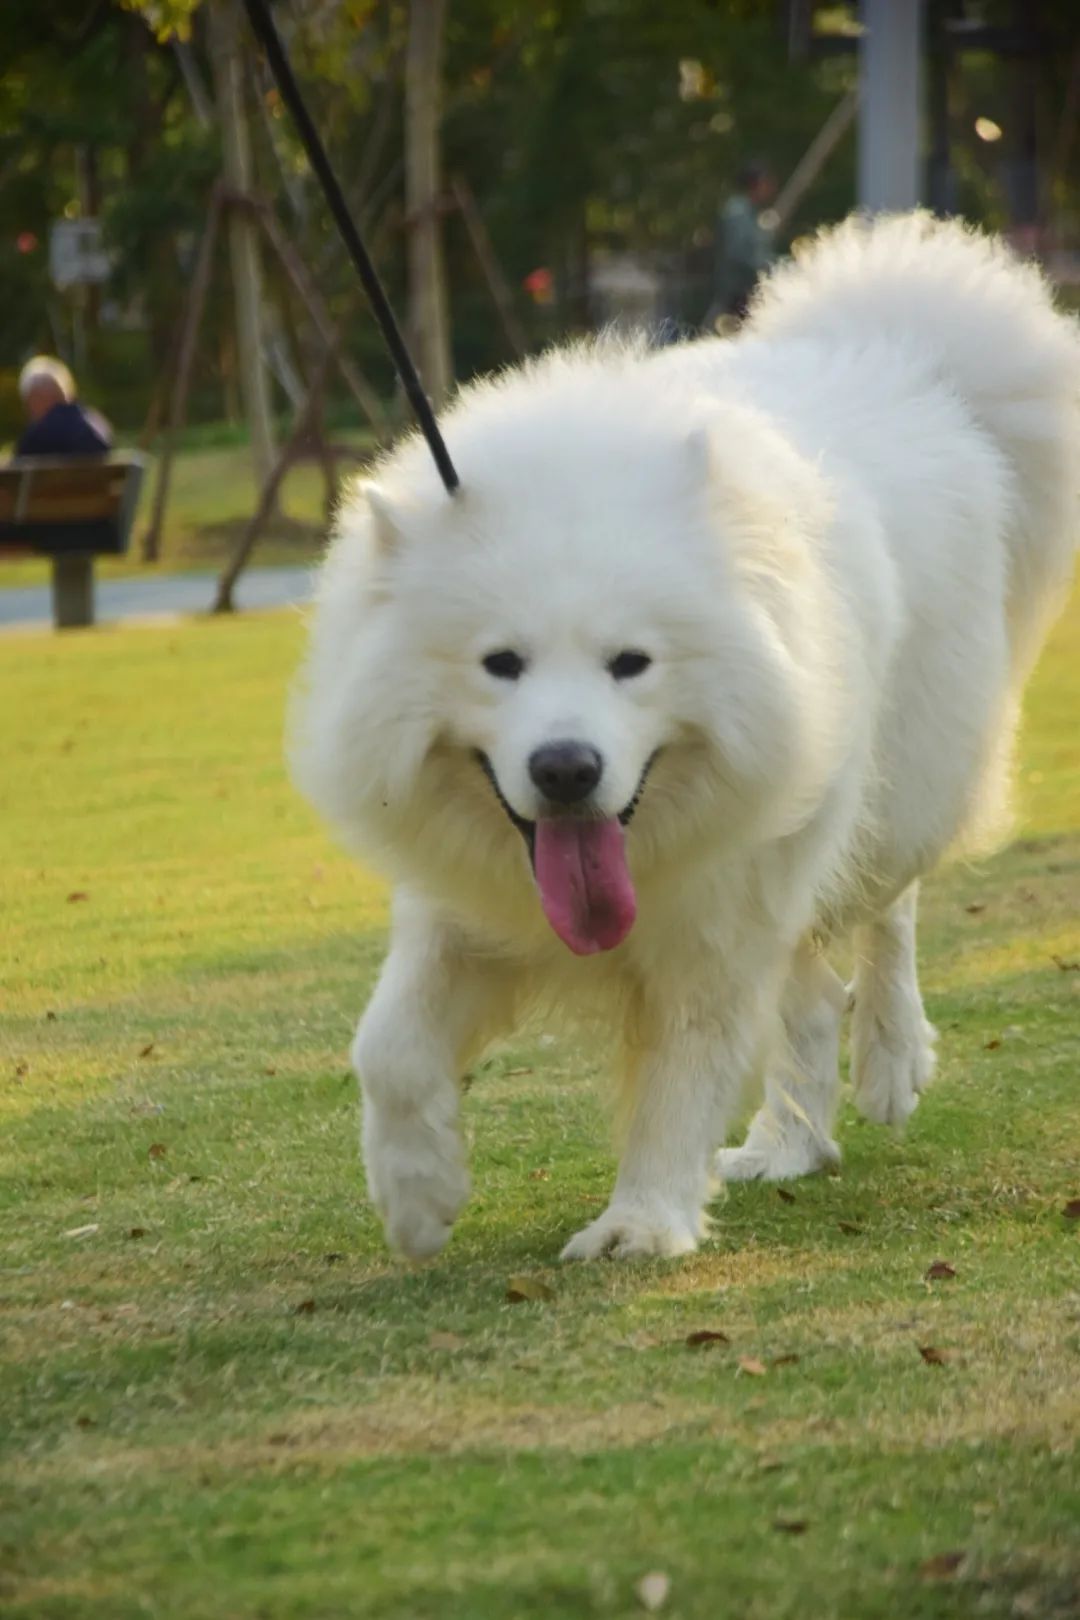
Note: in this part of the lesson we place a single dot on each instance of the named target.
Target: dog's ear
(387, 530)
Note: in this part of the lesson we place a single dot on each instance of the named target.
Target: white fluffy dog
(715, 652)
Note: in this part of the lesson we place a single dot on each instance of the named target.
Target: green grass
(221, 1400)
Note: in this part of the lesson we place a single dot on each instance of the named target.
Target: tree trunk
(158, 247)
(305, 417)
(243, 237)
(423, 112)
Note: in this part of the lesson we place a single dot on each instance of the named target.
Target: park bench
(72, 511)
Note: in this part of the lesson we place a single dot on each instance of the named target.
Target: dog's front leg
(686, 1084)
(434, 1001)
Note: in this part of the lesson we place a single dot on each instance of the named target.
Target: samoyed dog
(714, 653)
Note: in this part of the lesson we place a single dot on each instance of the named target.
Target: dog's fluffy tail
(986, 322)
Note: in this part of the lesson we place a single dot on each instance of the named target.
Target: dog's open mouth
(579, 863)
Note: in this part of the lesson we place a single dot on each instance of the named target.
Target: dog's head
(599, 642)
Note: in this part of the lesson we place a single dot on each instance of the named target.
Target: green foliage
(93, 119)
(581, 126)
(167, 18)
(623, 123)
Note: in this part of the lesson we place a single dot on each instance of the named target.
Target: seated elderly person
(58, 425)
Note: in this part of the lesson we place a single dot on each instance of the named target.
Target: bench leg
(73, 590)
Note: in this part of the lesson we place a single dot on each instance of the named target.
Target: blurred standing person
(58, 425)
(744, 244)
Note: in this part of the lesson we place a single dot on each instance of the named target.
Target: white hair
(44, 368)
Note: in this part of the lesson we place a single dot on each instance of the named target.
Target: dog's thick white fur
(839, 538)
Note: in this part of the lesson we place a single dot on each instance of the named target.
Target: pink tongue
(584, 883)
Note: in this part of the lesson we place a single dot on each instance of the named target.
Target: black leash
(266, 32)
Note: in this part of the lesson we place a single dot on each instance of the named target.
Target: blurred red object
(540, 286)
(26, 241)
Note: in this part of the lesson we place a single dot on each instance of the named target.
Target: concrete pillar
(890, 105)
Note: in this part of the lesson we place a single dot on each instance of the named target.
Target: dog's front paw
(890, 1068)
(416, 1179)
(627, 1229)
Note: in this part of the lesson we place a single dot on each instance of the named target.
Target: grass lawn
(221, 1400)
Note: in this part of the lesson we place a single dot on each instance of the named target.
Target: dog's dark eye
(506, 664)
(625, 665)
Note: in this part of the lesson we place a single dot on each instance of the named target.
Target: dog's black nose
(566, 772)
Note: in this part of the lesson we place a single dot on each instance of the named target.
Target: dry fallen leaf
(82, 1231)
(305, 1307)
(784, 1196)
(1071, 1210)
(523, 1288)
(752, 1366)
(792, 1527)
(445, 1341)
(942, 1565)
(147, 1049)
(653, 1589)
(706, 1336)
(932, 1355)
(991, 1046)
(975, 907)
(77, 894)
(157, 1150)
(940, 1269)
(1066, 965)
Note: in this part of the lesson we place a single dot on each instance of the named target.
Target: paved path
(159, 594)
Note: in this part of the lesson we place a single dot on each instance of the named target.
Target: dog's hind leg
(435, 1001)
(791, 1135)
(892, 1044)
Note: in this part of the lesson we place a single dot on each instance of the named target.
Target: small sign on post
(77, 254)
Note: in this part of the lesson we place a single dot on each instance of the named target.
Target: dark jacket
(66, 430)
(744, 251)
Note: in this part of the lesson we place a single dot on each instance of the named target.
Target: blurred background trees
(588, 132)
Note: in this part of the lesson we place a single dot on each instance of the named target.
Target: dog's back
(986, 324)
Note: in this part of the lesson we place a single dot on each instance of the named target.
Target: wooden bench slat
(76, 474)
(62, 508)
